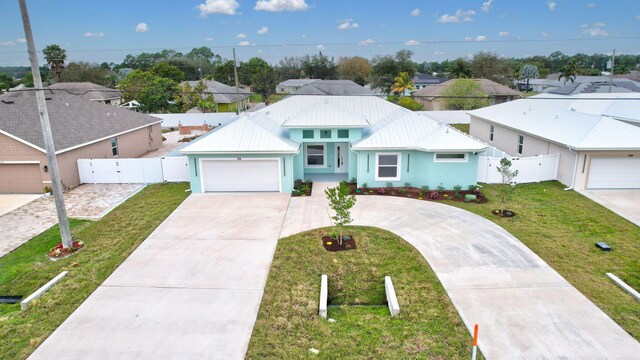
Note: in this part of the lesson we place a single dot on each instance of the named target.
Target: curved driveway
(525, 309)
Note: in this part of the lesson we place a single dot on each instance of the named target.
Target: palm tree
(568, 71)
(402, 83)
(55, 56)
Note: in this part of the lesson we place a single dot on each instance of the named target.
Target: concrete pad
(199, 264)
(625, 203)
(9, 202)
(156, 323)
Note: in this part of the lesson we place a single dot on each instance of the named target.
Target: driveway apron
(524, 308)
(192, 289)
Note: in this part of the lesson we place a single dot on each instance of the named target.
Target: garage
(614, 173)
(230, 175)
(20, 178)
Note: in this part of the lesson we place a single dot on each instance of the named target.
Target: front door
(341, 157)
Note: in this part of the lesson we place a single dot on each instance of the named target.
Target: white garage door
(240, 175)
(614, 173)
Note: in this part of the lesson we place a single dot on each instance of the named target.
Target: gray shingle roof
(587, 87)
(333, 87)
(87, 90)
(222, 93)
(74, 120)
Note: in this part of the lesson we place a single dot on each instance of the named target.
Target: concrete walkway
(625, 203)
(525, 309)
(192, 289)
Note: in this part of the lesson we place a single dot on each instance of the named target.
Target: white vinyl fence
(133, 171)
(530, 169)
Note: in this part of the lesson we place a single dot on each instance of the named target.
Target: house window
(308, 134)
(520, 144)
(325, 134)
(388, 167)
(114, 146)
(343, 134)
(315, 155)
(450, 157)
(491, 131)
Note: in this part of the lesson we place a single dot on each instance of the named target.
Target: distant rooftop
(333, 87)
(222, 93)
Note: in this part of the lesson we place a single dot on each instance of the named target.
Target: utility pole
(56, 184)
(613, 64)
(235, 76)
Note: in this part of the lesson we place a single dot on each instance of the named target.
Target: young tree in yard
(568, 71)
(408, 103)
(55, 57)
(528, 72)
(6, 81)
(341, 202)
(464, 94)
(402, 83)
(354, 68)
(507, 188)
(459, 68)
(165, 70)
(264, 83)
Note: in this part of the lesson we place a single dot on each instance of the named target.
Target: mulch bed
(60, 252)
(331, 244)
(414, 193)
(299, 184)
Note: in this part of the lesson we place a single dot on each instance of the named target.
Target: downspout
(575, 170)
(357, 164)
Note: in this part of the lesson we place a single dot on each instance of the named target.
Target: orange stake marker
(475, 342)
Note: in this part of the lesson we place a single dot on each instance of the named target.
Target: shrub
(473, 188)
(408, 103)
(389, 184)
(456, 192)
(424, 188)
(364, 186)
(420, 194)
(382, 191)
(353, 180)
(441, 188)
(402, 191)
(407, 184)
(434, 195)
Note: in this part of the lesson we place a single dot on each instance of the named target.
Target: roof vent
(573, 109)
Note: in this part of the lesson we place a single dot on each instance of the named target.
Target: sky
(98, 31)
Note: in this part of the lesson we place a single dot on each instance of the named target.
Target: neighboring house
(224, 95)
(195, 119)
(291, 85)
(333, 87)
(81, 129)
(598, 146)
(591, 87)
(89, 91)
(431, 97)
(423, 80)
(362, 137)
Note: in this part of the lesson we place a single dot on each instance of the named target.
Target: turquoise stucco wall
(300, 170)
(286, 169)
(419, 169)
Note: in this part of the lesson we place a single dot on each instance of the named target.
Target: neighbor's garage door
(614, 173)
(240, 175)
(20, 178)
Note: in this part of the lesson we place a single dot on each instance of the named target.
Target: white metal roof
(326, 115)
(579, 122)
(448, 116)
(195, 119)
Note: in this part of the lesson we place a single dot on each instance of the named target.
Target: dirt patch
(331, 244)
(504, 213)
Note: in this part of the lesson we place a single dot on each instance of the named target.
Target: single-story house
(89, 91)
(224, 95)
(593, 133)
(333, 87)
(423, 80)
(432, 96)
(362, 137)
(291, 85)
(592, 87)
(81, 129)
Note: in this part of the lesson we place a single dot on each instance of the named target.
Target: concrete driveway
(525, 309)
(192, 289)
(625, 203)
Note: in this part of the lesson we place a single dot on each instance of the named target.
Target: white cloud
(544, 34)
(367, 42)
(468, 38)
(263, 30)
(281, 5)
(225, 7)
(504, 33)
(596, 29)
(486, 6)
(415, 12)
(241, 36)
(208, 39)
(244, 43)
(21, 40)
(439, 52)
(7, 43)
(142, 27)
(94, 34)
(321, 47)
(348, 25)
(481, 38)
(412, 43)
(457, 17)
(551, 4)
(591, 5)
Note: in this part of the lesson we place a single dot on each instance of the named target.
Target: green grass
(288, 324)
(462, 127)
(108, 242)
(257, 98)
(562, 227)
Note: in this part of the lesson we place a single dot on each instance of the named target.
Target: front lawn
(288, 324)
(562, 227)
(108, 242)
